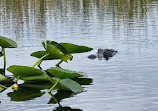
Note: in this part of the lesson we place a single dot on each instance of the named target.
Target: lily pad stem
(4, 60)
(54, 86)
(40, 60)
(3, 86)
(17, 79)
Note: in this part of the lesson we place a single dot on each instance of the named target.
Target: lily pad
(40, 54)
(53, 51)
(64, 73)
(60, 47)
(60, 50)
(32, 74)
(37, 85)
(67, 84)
(73, 48)
(28, 73)
(7, 43)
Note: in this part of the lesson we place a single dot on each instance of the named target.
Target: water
(128, 81)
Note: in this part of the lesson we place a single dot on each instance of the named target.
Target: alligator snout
(103, 53)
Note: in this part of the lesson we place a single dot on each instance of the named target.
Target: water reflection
(23, 18)
(31, 90)
(2, 89)
(66, 109)
(129, 26)
(29, 18)
(59, 96)
(24, 94)
(28, 93)
(2, 71)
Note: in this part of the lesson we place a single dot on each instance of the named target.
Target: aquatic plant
(37, 79)
(59, 77)
(6, 43)
(61, 51)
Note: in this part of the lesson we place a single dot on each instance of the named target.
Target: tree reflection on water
(30, 18)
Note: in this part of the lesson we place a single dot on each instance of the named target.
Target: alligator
(103, 53)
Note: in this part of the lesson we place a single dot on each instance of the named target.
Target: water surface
(128, 81)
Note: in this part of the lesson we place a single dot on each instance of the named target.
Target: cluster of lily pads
(60, 78)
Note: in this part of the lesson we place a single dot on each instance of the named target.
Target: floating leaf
(67, 84)
(24, 94)
(64, 73)
(64, 84)
(37, 85)
(4, 79)
(40, 54)
(73, 48)
(28, 73)
(7, 43)
(53, 51)
(60, 47)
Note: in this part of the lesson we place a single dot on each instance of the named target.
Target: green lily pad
(53, 51)
(7, 43)
(32, 74)
(37, 85)
(73, 48)
(60, 47)
(67, 84)
(64, 84)
(28, 73)
(55, 44)
(60, 51)
(40, 54)
(64, 73)
(24, 94)
(4, 79)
